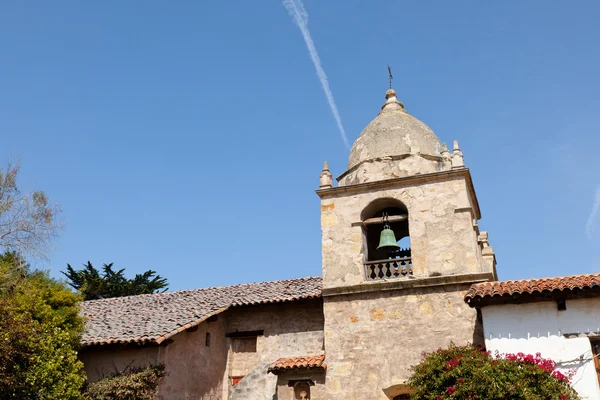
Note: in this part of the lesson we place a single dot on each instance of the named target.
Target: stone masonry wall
(257, 385)
(290, 329)
(394, 167)
(316, 375)
(373, 338)
(441, 225)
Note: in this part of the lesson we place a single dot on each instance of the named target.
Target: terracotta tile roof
(542, 286)
(154, 318)
(289, 363)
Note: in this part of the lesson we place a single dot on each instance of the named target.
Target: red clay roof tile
(289, 363)
(513, 289)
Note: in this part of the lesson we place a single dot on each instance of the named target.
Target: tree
(94, 285)
(467, 373)
(28, 223)
(40, 330)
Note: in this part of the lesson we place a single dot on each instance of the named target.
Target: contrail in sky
(595, 209)
(298, 12)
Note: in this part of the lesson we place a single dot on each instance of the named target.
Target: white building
(557, 317)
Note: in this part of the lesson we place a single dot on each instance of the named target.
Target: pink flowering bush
(467, 373)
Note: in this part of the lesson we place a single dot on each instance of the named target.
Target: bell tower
(400, 241)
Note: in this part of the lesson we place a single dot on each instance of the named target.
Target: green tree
(40, 330)
(466, 373)
(28, 222)
(110, 283)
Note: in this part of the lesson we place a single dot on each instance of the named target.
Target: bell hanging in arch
(387, 239)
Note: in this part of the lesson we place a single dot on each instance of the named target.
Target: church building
(401, 247)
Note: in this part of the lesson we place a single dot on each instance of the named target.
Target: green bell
(387, 240)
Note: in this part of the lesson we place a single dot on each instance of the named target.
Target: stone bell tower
(385, 305)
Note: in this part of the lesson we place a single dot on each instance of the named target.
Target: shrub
(467, 373)
(40, 328)
(135, 384)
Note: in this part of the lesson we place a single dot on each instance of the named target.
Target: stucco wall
(440, 218)
(539, 327)
(373, 338)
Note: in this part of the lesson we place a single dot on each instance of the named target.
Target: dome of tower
(395, 144)
(392, 133)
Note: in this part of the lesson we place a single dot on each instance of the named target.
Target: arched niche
(302, 391)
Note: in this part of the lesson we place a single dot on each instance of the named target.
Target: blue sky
(188, 137)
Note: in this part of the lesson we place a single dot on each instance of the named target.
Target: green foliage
(40, 328)
(137, 384)
(466, 373)
(110, 283)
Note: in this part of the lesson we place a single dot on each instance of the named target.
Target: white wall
(539, 327)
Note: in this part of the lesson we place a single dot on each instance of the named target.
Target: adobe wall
(372, 339)
(443, 235)
(100, 362)
(194, 370)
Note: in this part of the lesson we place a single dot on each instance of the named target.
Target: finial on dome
(325, 179)
(391, 101)
(458, 160)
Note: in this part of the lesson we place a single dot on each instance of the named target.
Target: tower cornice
(396, 182)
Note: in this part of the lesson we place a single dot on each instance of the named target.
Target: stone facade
(291, 330)
(442, 216)
(376, 329)
(291, 384)
(371, 327)
(372, 339)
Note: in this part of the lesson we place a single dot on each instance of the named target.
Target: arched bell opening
(386, 232)
(386, 246)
